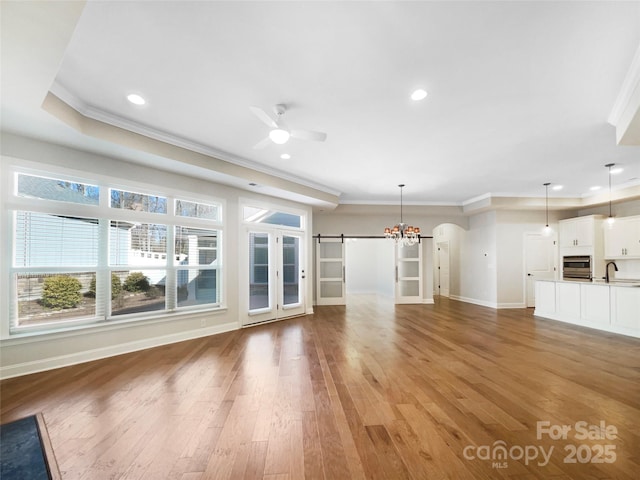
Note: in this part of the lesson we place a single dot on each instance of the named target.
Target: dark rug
(25, 451)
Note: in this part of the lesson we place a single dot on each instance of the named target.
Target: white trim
(631, 82)
(111, 351)
(482, 303)
(91, 112)
(428, 301)
(595, 326)
(511, 305)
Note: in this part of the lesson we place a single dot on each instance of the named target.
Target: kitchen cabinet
(622, 239)
(577, 232)
(568, 300)
(625, 308)
(583, 236)
(594, 303)
(604, 306)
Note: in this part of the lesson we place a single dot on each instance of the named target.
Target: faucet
(606, 277)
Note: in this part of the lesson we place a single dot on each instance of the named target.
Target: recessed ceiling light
(595, 187)
(419, 94)
(557, 187)
(285, 156)
(136, 99)
(616, 171)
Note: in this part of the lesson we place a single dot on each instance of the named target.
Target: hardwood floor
(364, 391)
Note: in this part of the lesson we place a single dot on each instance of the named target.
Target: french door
(274, 284)
(409, 273)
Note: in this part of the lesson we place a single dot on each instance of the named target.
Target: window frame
(12, 202)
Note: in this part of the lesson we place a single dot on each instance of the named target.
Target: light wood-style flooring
(370, 390)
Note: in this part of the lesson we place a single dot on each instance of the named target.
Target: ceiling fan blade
(309, 135)
(264, 116)
(262, 143)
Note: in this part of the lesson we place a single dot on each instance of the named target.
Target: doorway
(274, 284)
(540, 262)
(443, 270)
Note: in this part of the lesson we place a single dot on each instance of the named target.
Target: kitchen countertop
(613, 283)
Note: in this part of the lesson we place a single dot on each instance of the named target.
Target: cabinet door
(545, 297)
(595, 303)
(614, 239)
(584, 230)
(568, 301)
(632, 236)
(567, 233)
(625, 307)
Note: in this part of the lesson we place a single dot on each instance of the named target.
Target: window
(56, 257)
(271, 217)
(31, 186)
(197, 254)
(139, 202)
(78, 260)
(185, 208)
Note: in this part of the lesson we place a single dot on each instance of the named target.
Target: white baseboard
(428, 301)
(512, 305)
(482, 303)
(581, 323)
(105, 352)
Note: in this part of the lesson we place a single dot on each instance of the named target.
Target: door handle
(529, 275)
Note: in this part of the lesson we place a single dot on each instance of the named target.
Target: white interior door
(330, 272)
(443, 268)
(540, 262)
(275, 275)
(409, 273)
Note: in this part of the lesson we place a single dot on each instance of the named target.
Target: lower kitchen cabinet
(625, 308)
(596, 305)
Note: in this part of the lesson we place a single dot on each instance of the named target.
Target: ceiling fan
(279, 132)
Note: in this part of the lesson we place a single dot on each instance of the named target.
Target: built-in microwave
(577, 268)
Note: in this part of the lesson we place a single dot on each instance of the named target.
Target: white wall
(478, 282)
(44, 351)
(369, 267)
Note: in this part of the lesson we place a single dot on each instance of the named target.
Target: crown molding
(89, 111)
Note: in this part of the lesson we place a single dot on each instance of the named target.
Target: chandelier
(402, 233)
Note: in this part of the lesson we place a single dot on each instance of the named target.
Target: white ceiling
(519, 92)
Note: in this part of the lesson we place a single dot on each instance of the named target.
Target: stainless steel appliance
(576, 268)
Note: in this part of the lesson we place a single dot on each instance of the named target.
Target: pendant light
(547, 229)
(611, 219)
(402, 233)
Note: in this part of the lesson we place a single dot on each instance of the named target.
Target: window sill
(18, 338)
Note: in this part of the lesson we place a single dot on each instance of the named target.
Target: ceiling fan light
(279, 136)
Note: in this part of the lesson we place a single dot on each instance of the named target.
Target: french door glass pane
(291, 279)
(331, 269)
(409, 251)
(331, 289)
(409, 288)
(258, 270)
(409, 269)
(331, 250)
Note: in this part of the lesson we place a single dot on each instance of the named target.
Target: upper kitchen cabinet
(581, 235)
(622, 239)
